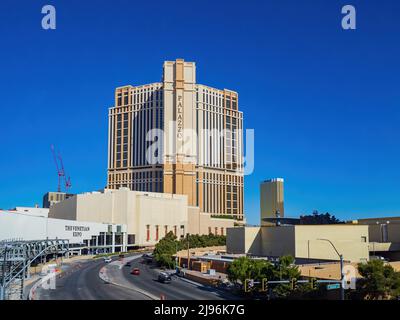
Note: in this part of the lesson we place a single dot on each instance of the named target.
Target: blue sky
(324, 102)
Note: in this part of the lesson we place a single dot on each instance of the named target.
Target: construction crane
(61, 171)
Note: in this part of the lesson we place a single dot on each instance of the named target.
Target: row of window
(164, 229)
(139, 96)
(215, 232)
(142, 122)
(157, 231)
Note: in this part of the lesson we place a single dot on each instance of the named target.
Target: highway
(178, 289)
(82, 282)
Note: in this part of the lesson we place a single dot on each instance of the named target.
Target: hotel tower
(179, 137)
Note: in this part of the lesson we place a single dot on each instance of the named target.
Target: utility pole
(176, 256)
(342, 297)
(188, 251)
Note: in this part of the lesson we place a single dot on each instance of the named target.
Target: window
(148, 232)
(156, 233)
(209, 230)
(363, 239)
(222, 231)
(165, 230)
(175, 230)
(216, 231)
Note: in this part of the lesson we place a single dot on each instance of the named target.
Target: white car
(107, 260)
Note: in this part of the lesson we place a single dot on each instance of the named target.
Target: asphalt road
(82, 282)
(178, 289)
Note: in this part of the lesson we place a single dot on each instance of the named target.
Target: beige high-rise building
(179, 137)
(271, 199)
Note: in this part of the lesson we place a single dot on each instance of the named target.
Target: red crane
(61, 171)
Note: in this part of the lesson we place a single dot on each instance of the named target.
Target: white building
(148, 216)
(16, 225)
(35, 211)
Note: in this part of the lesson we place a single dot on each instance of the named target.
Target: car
(135, 271)
(378, 258)
(128, 264)
(164, 277)
(107, 260)
(147, 257)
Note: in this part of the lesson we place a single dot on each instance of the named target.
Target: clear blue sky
(324, 102)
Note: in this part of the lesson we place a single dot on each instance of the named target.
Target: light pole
(341, 268)
(188, 251)
(176, 255)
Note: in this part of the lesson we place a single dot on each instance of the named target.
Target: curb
(103, 276)
(32, 291)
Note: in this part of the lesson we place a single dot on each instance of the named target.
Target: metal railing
(16, 257)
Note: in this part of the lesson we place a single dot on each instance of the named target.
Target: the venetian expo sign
(77, 230)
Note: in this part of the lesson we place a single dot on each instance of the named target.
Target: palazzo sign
(179, 117)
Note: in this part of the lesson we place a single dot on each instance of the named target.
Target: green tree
(379, 281)
(165, 249)
(317, 218)
(239, 270)
(285, 269)
(246, 268)
(167, 246)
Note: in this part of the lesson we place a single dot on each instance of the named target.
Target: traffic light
(264, 285)
(247, 285)
(293, 284)
(313, 283)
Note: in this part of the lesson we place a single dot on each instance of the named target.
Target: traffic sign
(333, 286)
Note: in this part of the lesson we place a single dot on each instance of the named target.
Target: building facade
(305, 242)
(271, 199)
(91, 236)
(51, 198)
(148, 216)
(179, 137)
(384, 236)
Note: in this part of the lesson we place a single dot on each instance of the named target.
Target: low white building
(92, 236)
(35, 211)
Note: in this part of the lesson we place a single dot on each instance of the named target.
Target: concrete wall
(157, 211)
(235, 240)
(200, 223)
(278, 241)
(349, 240)
(393, 233)
(301, 241)
(244, 240)
(65, 210)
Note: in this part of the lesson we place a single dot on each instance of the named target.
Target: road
(82, 282)
(178, 289)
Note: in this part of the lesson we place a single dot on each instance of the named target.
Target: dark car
(164, 277)
(135, 271)
(128, 264)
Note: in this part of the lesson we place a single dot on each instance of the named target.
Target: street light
(341, 268)
(188, 251)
